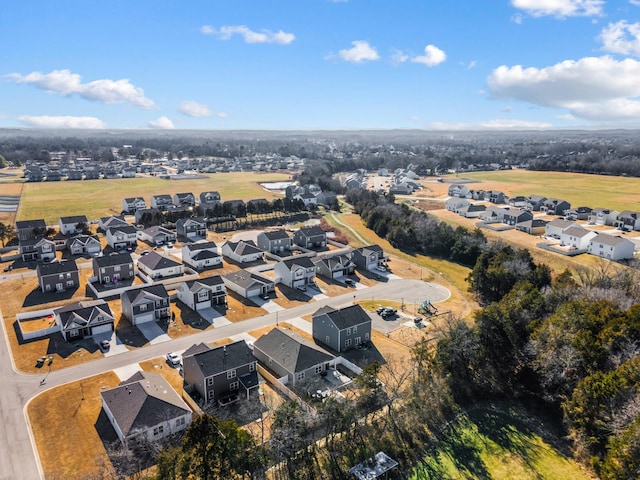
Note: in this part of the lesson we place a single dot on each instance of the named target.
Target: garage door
(338, 274)
(203, 305)
(298, 283)
(253, 293)
(148, 317)
(102, 329)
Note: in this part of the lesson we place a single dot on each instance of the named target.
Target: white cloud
(517, 18)
(635, 2)
(249, 36)
(621, 37)
(497, 124)
(398, 56)
(65, 83)
(432, 56)
(560, 8)
(472, 64)
(593, 88)
(195, 109)
(46, 121)
(162, 123)
(359, 52)
(414, 118)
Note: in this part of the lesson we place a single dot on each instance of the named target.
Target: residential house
(113, 268)
(210, 199)
(58, 276)
(243, 251)
(577, 237)
(146, 304)
(277, 241)
(555, 206)
(190, 228)
(493, 214)
(184, 200)
(156, 266)
(512, 216)
(42, 249)
(249, 284)
(327, 198)
(291, 356)
(535, 202)
(122, 237)
(473, 210)
(517, 201)
(603, 216)
(161, 202)
(579, 213)
(296, 272)
(310, 237)
(73, 225)
(156, 235)
(495, 196)
(627, 221)
(476, 194)
(84, 245)
(203, 293)
(132, 204)
(341, 329)
(129, 172)
(335, 266)
(454, 204)
(222, 373)
(84, 319)
(555, 227)
(201, 255)
(105, 223)
(533, 227)
(145, 407)
(458, 190)
(369, 257)
(611, 247)
(30, 229)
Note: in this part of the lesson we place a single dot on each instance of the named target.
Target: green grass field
(618, 193)
(494, 444)
(100, 198)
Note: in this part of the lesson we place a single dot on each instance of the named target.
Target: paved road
(17, 452)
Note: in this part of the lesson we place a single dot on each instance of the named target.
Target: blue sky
(320, 64)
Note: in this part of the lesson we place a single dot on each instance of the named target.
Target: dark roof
(156, 290)
(370, 249)
(244, 247)
(294, 352)
(192, 247)
(341, 260)
(55, 268)
(347, 317)
(184, 221)
(611, 240)
(110, 260)
(140, 403)
(204, 254)
(84, 314)
(276, 235)
(195, 285)
(193, 349)
(155, 261)
(312, 231)
(304, 262)
(40, 223)
(128, 229)
(220, 359)
(75, 219)
(246, 278)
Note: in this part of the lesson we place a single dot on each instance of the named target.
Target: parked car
(8, 268)
(105, 345)
(173, 359)
(381, 268)
(348, 281)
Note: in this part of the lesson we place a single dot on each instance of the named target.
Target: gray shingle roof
(347, 317)
(84, 314)
(156, 291)
(55, 268)
(155, 261)
(111, 260)
(294, 352)
(276, 235)
(220, 359)
(192, 247)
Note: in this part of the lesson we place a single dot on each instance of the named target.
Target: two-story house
(131, 205)
(161, 202)
(369, 257)
(310, 237)
(156, 235)
(190, 228)
(296, 272)
(113, 268)
(341, 329)
(146, 304)
(105, 223)
(73, 225)
(30, 229)
(84, 245)
(58, 276)
(201, 255)
(156, 266)
(122, 237)
(577, 237)
(535, 202)
(223, 373)
(335, 266)
(184, 200)
(628, 220)
(611, 247)
(277, 241)
(555, 206)
(41, 249)
(513, 216)
(210, 199)
(203, 292)
(603, 216)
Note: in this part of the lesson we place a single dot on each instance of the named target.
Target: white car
(173, 359)
(381, 268)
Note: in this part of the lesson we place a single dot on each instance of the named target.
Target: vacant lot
(100, 198)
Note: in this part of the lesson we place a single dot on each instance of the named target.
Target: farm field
(100, 198)
(618, 193)
(496, 443)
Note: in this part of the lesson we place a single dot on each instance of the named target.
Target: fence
(284, 390)
(43, 332)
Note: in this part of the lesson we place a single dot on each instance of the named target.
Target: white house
(158, 266)
(296, 272)
(201, 255)
(69, 225)
(242, 251)
(577, 237)
(202, 293)
(133, 204)
(119, 237)
(555, 227)
(156, 235)
(611, 247)
(603, 216)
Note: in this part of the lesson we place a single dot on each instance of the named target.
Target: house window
(347, 343)
(73, 333)
(327, 339)
(203, 294)
(355, 329)
(159, 430)
(69, 283)
(318, 369)
(143, 307)
(180, 421)
(68, 275)
(348, 331)
(116, 268)
(366, 336)
(252, 367)
(210, 382)
(61, 276)
(234, 386)
(300, 376)
(102, 270)
(231, 373)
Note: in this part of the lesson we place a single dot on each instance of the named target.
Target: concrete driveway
(153, 332)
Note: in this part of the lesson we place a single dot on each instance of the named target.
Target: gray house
(275, 242)
(336, 266)
(190, 228)
(146, 304)
(249, 284)
(112, 268)
(186, 199)
(209, 199)
(513, 216)
(290, 355)
(222, 373)
(310, 237)
(296, 272)
(84, 319)
(534, 202)
(203, 293)
(368, 258)
(341, 329)
(58, 276)
(555, 206)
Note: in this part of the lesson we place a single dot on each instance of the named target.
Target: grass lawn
(496, 443)
(100, 198)
(619, 193)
